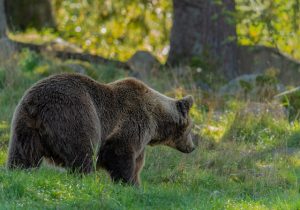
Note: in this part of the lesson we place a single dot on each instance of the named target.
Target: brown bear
(81, 124)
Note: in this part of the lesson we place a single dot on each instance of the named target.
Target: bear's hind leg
(25, 149)
(77, 158)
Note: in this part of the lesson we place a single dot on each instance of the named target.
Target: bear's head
(174, 124)
(167, 119)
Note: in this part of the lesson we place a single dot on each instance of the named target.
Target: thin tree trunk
(23, 14)
(204, 27)
(2, 20)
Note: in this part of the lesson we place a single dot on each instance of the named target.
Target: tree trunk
(2, 20)
(22, 14)
(204, 29)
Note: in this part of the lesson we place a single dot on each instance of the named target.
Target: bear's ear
(185, 104)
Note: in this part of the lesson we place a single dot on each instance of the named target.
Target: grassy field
(241, 162)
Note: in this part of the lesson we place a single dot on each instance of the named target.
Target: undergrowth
(243, 161)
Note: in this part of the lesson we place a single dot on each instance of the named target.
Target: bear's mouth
(187, 149)
(188, 146)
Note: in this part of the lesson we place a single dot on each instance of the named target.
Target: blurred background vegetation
(116, 29)
(113, 29)
(217, 36)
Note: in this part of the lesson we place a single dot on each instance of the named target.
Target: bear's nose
(191, 149)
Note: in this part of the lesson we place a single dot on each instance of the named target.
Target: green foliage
(246, 86)
(263, 80)
(293, 140)
(118, 28)
(271, 23)
(115, 28)
(29, 60)
(292, 102)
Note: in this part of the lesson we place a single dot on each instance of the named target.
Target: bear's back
(55, 92)
(67, 84)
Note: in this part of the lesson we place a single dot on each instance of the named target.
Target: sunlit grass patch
(3, 157)
(34, 36)
(4, 137)
(262, 130)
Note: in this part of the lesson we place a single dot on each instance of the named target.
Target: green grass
(241, 162)
(173, 187)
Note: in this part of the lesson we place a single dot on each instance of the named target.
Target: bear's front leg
(120, 163)
(139, 164)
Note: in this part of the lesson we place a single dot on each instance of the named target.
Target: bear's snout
(186, 145)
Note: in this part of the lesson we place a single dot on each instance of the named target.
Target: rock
(256, 87)
(143, 64)
(291, 100)
(259, 59)
(203, 86)
(77, 68)
(234, 87)
(258, 109)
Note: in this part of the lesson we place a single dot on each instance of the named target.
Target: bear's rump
(70, 130)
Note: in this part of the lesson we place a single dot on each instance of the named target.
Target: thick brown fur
(73, 120)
